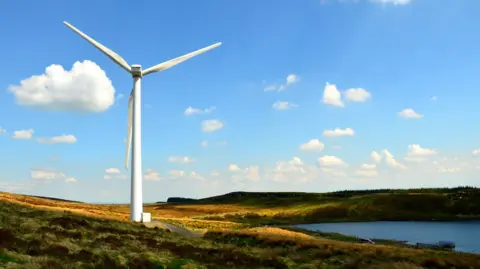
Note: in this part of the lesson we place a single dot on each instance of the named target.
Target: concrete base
(146, 217)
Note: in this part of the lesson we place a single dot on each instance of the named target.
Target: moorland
(39, 232)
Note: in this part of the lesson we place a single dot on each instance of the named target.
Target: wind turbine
(134, 131)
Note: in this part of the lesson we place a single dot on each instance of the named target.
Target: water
(465, 234)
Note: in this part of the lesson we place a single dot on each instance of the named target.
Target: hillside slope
(295, 208)
(32, 238)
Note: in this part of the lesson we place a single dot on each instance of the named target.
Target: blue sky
(378, 58)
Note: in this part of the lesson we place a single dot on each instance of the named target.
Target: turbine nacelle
(136, 70)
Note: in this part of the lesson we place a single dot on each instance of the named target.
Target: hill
(365, 205)
(34, 238)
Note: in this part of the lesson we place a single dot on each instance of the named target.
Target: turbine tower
(134, 129)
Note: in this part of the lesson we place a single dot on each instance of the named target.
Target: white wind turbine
(135, 117)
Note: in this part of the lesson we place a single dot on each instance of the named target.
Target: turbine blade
(110, 53)
(129, 129)
(173, 62)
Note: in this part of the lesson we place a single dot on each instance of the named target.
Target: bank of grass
(35, 238)
(298, 208)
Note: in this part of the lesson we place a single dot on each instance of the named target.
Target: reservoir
(465, 234)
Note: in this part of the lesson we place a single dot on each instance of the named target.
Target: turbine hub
(136, 70)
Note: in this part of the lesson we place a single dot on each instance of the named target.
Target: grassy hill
(36, 238)
(367, 205)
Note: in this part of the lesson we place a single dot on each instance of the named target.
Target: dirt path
(173, 228)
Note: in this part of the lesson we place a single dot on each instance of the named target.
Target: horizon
(316, 96)
(224, 194)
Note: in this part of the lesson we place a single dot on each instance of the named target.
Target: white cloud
(180, 159)
(330, 161)
(417, 151)
(233, 167)
(85, 88)
(50, 174)
(250, 173)
(409, 113)
(312, 145)
(434, 98)
(368, 166)
(282, 105)
(476, 152)
(195, 111)
(290, 80)
(112, 171)
(214, 173)
(66, 139)
(2, 131)
(150, 174)
(366, 173)
(418, 154)
(177, 173)
(339, 132)
(204, 144)
(357, 95)
(209, 126)
(375, 156)
(394, 2)
(46, 174)
(70, 180)
(332, 96)
(23, 134)
(390, 160)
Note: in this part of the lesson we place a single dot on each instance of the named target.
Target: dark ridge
(55, 199)
(180, 200)
(239, 196)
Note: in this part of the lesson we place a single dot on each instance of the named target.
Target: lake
(465, 234)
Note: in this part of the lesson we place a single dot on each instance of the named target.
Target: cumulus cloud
(409, 113)
(70, 180)
(204, 144)
(209, 126)
(190, 111)
(180, 159)
(476, 152)
(290, 80)
(2, 131)
(390, 160)
(339, 132)
(45, 174)
(366, 173)
(113, 173)
(332, 96)
(375, 156)
(151, 174)
(176, 173)
(312, 145)
(282, 105)
(233, 167)
(23, 134)
(84, 88)
(357, 95)
(65, 139)
(330, 161)
(418, 154)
